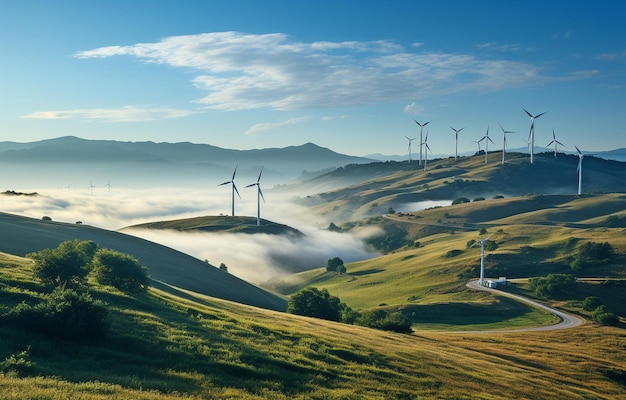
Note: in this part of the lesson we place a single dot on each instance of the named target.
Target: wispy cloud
(124, 114)
(615, 56)
(564, 35)
(499, 47)
(245, 71)
(266, 126)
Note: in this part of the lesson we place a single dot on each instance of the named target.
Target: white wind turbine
(580, 170)
(421, 126)
(108, 185)
(504, 141)
(426, 152)
(482, 260)
(259, 197)
(556, 142)
(531, 134)
(478, 143)
(91, 186)
(233, 189)
(409, 149)
(456, 143)
(487, 139)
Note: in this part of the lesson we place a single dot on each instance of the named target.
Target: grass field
(164, 346)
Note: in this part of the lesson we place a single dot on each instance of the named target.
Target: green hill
(194, 347)
(221, 224)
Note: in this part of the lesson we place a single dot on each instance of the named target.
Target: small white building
(500, 282)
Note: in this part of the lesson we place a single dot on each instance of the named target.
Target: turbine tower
(426, 151)
(259, 197)
(108, 185)
(91, 186)
(580, 170)
(233, 189)
(531, 134)
(456, 143)
(482, 260)
(504, 141)
(478, 143)
(421, 126)
(410, 140)
(487, 139)
(556, 142)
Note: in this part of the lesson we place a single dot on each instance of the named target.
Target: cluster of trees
(335, 265)
(67, 311)
(592, 254)
(313, 302)
(599, 312)
(553, 285)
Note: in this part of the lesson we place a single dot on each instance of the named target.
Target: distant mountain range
(71, 158)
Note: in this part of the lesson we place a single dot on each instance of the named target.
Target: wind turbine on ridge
(487, 139)
(426, 151)
(556, 142)
(410, 140)
(233, 189)
(504, 141)
(531, 134)
(456, 143)
(478, 143)
(482, 260)
(580, 170)
(259, 197)
(421, 126)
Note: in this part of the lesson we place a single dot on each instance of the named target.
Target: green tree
(223, 267)
(120, 270)
(592, 254)
(603, 316)
(591, 303)
(460, 200)
(552, 285)
(381, 319)
(335, 264)
(313, 302)
(66, 265)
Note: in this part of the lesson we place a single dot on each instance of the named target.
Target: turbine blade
(539, 115)
(250, 185)
(529, 114)
(261, 193)
(225, 183)
(259, 179)
(580, 153)
(427, 123)
(234, 172)
(236, 191)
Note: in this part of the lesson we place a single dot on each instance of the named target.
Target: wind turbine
(531, 134)
(478, 143)
(504, 141)
(456, 143)
(233, 189)
(91, 186)
(426, 151)
(556, 142)
(421, 126)
(410, 140)
(580, 170)
(487, 139)
(482, 260)
(259, 197)
(108, 185)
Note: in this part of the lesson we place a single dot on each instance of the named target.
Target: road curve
(567, 320)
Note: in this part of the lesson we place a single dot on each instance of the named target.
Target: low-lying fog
(256, 258)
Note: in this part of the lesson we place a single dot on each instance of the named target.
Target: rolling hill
(164, 264)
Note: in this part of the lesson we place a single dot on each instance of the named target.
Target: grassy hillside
(164, 264)
(370, 189)
(193, 347)
(425, 275)
(222, 224)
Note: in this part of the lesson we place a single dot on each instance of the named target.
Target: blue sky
(348, 75)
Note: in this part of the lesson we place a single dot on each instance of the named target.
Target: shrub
(460, 200)
(603, 316)
(552, 285)
(592, 254)
(453, 253)
(381, 319)
(64, 315)
(19, 364)
(66, 265)
(120, 270)
(313, 302)
(591, 303)
(478, 199)
(335, 265)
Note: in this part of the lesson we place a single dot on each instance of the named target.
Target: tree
(460, 200)
(223, 267)
(381, 319)
(334, 228)
(552, 285)
(335, 265)
(66, 265)
(592, 254)
(120, 270)
(603, 316)
(313, 302)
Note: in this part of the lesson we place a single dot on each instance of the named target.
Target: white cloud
(245, 71)
(413, 108)
(124, 114)
(258, 128)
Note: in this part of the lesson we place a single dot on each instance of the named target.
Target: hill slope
(164, 264)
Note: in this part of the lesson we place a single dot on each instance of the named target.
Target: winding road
(567, 320)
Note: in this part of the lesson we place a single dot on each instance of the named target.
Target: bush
(120, 270)
(603, 316)
(64, 315)
(335, 265)
(453, 253)
(19, 364)
(380, 319)
(460, 200)
(592, 254)
(552, 285)
(66, 265)
(313, 302)
(591, 303)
